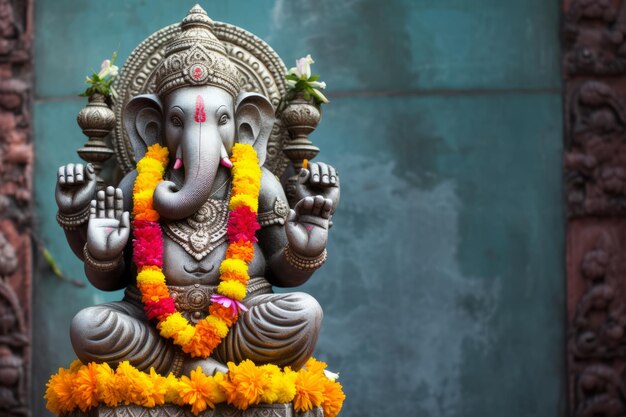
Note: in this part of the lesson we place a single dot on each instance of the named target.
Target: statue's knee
(90, 327)
(306, 308)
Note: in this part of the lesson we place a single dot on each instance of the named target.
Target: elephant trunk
(201, 158)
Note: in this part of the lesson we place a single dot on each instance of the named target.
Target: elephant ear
(142, 119)
(254, 115)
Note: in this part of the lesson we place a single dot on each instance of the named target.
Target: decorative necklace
(226, 304)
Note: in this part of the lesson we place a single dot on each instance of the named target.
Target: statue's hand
(319, 179)
(307, 226)
(76, 185)
(109, 225)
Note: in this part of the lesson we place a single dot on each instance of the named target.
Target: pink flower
(147, 243)
(154, 309)
(234, 305)
(303, 67)
(242, 225)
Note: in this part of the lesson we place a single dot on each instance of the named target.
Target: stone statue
(196, 75)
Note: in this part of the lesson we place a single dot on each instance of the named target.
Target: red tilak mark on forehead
(200, 114)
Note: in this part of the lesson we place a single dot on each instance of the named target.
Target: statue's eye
(176, 121)
(224, 119)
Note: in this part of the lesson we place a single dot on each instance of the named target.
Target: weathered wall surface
(444, 289)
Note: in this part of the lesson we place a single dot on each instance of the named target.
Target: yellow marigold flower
(172, 389)
(159, 388)
(245, 385)
(271, 373)
(309, 390)
(158, 152)
(172, 324)
(107, 387)
(145, 183)
(197, 391)
(142, 202)
(217, 393)
(285, 386)
(185, 335)
(235, 270)
(245, 186)
(333, 398)
(134, 386)
(248, 171)
(152, 167)
(232, 289)
(151, 276)
(237, 201)
(242, 151)
(85, 387)
(221, 328)
(59, 392)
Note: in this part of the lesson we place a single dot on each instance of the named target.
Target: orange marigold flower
(59, 392)
(309, 390)
(333, 398)
(149, 215)
(199, 391)
(158, 152)
(159, 388)
(224, 313)
(107, 386)
(85, 387)
(243, 250)
(133, 385)
(203, 342)
(247, 384)
(148, 291)
(315, 366)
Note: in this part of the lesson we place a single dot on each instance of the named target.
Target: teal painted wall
(444, 289)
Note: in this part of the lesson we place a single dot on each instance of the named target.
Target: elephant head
(198, 114)
(198, 125)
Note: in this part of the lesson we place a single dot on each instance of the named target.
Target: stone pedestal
(222, 410)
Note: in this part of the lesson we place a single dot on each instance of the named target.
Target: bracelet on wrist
(103, 266)
(302, 262)
(73, 221)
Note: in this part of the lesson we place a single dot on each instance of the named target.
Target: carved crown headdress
(196, 57)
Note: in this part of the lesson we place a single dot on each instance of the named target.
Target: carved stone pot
(96, 120)
(300, 117)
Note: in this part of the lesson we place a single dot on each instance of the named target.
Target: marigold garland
(199, 340)
(86, 386)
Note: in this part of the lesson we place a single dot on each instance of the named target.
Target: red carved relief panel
(594, 69)
(16, 161)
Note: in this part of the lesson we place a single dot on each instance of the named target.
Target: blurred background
(444, 291)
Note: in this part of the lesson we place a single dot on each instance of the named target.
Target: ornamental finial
(197, 17)
(196, 57)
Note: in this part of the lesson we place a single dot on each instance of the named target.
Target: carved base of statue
(261, 410)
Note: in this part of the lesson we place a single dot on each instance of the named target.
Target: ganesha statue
(198, 232)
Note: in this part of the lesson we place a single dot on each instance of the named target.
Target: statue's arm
(292, 255)
(108, 249)
(75, 188)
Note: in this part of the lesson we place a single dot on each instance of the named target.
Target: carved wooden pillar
(594, 70)
(16, 159)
